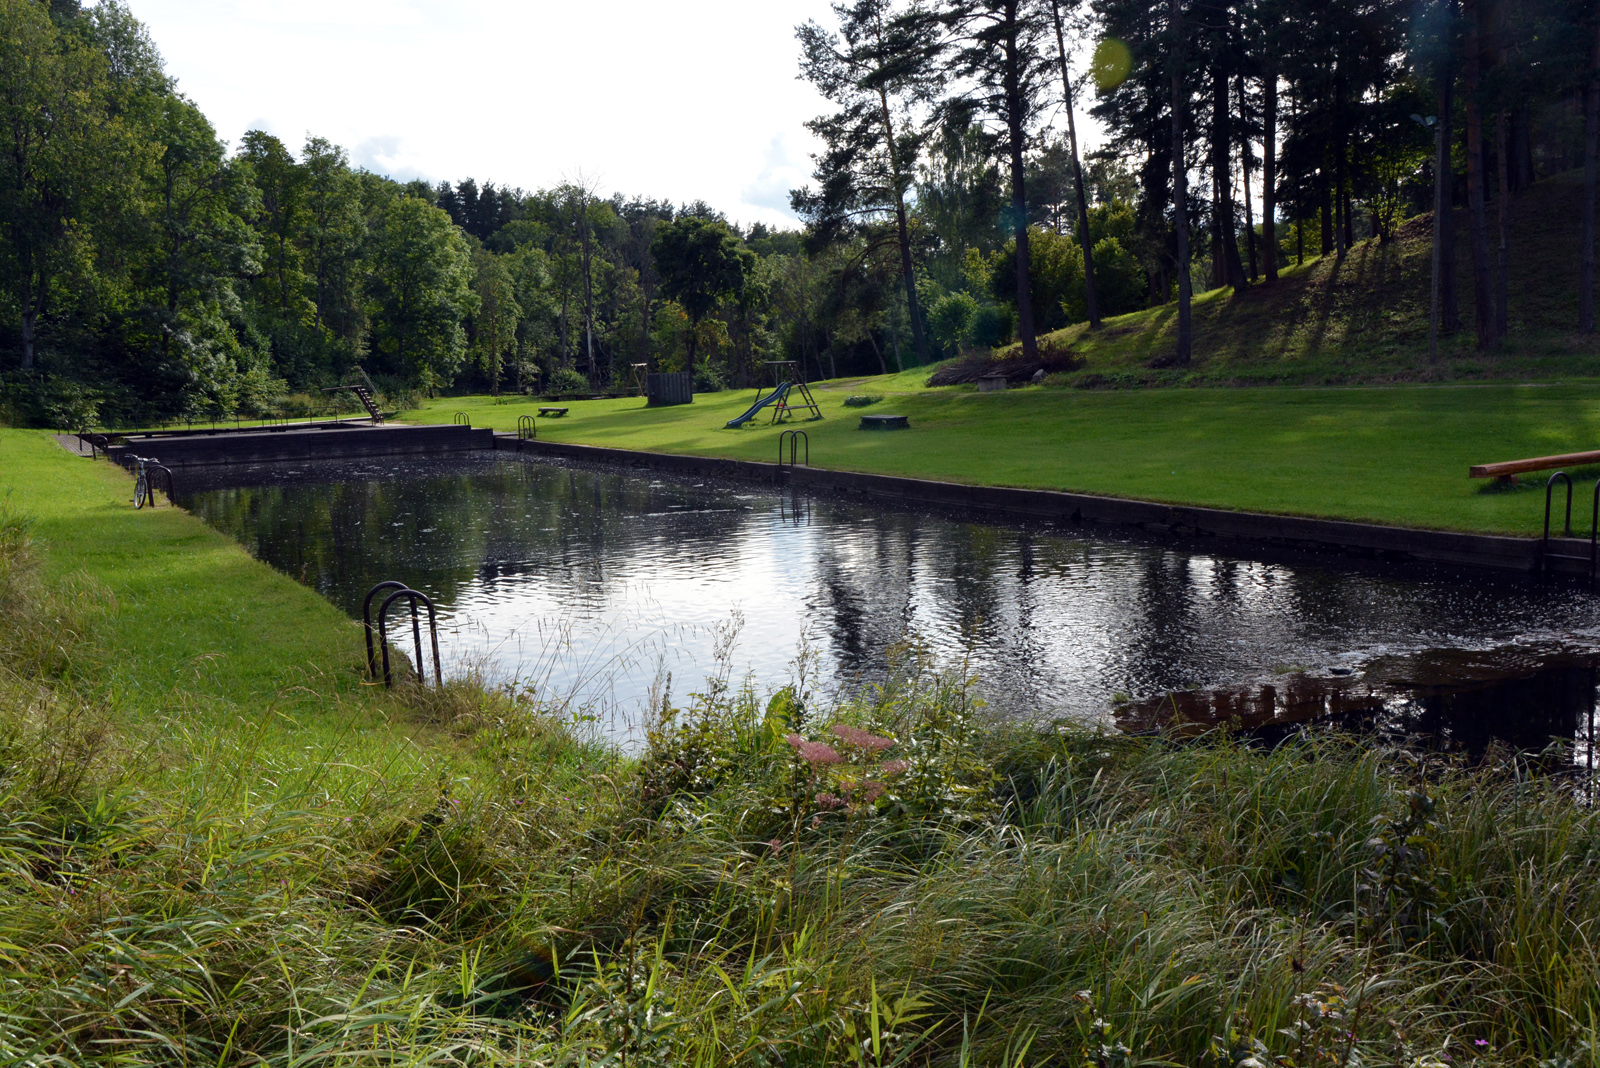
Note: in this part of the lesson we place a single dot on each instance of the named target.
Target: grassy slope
(198, 624)
(1385, 454)
(1365, 319)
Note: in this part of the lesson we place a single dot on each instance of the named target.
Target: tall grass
(894, 879)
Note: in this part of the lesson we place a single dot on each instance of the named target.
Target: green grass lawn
(1387, 454)
(198, 626)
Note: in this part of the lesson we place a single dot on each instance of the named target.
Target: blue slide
(778, 394)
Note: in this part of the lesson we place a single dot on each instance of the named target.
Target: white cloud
(685, 101)
(328, 12)
(782, 170)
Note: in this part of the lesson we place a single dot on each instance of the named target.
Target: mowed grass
(197, 626)
(1384, 454)
(1363, 318)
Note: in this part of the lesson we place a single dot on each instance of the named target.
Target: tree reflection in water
(597, 581)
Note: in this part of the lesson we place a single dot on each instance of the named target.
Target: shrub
(948, 319)
(864, 401)
(566, 380)
(990, 325)
(708, 378)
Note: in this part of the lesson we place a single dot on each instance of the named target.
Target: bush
(566, 380)
(948, 319)
(708, 378)
(865, 401)
(990, 325)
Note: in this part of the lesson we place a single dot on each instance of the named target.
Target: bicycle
(144, 483)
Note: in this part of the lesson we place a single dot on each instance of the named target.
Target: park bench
(1510, 468)
(554, 413)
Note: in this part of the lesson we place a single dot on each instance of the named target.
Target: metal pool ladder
(526, 429)
(794, 439)
(401, 590)
(1592, 558)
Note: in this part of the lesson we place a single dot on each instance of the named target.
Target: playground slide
(777, 394)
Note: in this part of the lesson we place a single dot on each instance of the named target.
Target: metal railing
(1545, 555)
(401, 590)
(461, 419)
(527, 429)
(148, 471)
(794, 439)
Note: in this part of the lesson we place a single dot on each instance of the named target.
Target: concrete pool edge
(1501, 552)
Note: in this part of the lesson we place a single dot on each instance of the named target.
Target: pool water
(593, 585)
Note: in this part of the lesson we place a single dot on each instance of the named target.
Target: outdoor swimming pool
(594, 584)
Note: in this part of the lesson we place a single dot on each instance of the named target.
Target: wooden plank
(1541, 463)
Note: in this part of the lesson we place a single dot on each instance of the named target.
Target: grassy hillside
(1365, 319)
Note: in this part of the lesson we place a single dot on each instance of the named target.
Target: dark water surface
(596, 582)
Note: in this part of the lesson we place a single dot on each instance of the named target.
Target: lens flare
(1112, 62)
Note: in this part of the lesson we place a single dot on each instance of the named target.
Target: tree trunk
(1269, 177)
(883, 366)
(30, 337)
(644, 322)
(919, 337)
(1180, 189)
(1017, 131)
(1244, 174)
(1444, 196)
(1222, 167)
(588, 292)
(1341, 206)
(1441, 310)
(1091, 299)
(1482, 286)
(1502, 313)
(1591, 172)
(1326, 205)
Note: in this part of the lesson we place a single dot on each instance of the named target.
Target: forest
(151, 270)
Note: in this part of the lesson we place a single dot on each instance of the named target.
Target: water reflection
(599, 581)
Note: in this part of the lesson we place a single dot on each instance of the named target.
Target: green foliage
(567, 380)
(990, 325)
(949, 318)
(708, 378)
(863, 400)
(420, 290)
(701, 263)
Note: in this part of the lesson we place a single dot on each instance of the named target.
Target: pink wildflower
(776, 845)
(830, 801)
(895, 767)
(814, 752)
(860, 739)
(871, 791)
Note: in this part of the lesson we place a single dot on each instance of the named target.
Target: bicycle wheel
(141, 490)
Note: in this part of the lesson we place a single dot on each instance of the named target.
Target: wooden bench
(554, 413)
(1539, 463)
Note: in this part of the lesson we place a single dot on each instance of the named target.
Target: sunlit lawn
(1391, 454)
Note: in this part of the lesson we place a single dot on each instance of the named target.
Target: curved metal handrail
(416, 634)
(461, 419)
(794, 438)
(153, 467)
(527, 429)
(366, 621)
(1549, 491)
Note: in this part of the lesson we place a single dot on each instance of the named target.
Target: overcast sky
(694, 99)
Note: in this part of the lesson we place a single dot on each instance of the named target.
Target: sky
(680, 101)
(684, 100)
